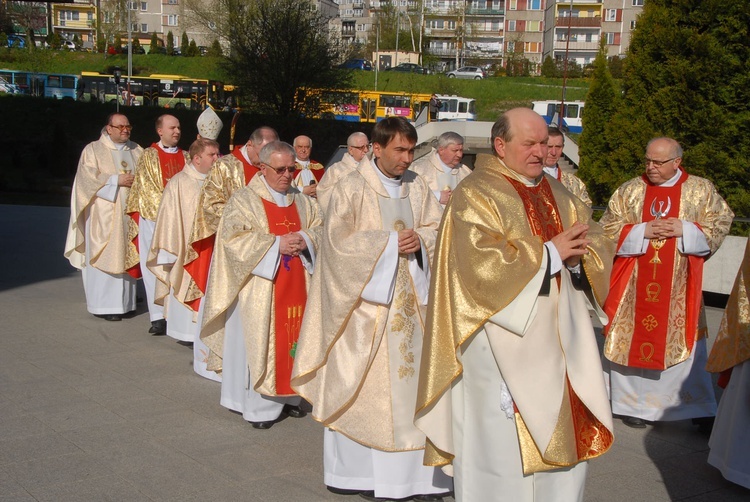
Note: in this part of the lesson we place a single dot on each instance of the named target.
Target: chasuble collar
(168, 149)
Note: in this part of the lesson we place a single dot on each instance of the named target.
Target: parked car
(410, 68)
(470, 72)
(357, 64)
(15, 40)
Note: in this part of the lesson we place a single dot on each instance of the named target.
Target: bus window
(571, 111)
(462, 107)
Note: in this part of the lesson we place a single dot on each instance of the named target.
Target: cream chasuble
(332, 175)
(358, 352)
(437, 175)
(240, 275)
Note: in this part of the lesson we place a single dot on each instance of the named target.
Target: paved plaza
(101, 411)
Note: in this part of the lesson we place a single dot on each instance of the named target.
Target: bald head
(519, 138)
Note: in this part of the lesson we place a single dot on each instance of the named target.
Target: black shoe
(138, 299)
(109, 317)
(634, 422)
(261, 425)
(370, 495)
(158, 327)
(430, 497)
(343, 491)
(294, 411)
(705, 424)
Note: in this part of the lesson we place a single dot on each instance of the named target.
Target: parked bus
(456, 108)
(168, 91)
(363, 106)
(48, 85)
(572, 114)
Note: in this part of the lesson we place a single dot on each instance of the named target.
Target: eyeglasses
(122, 127)
(282, 170)
(657, 163)
(364, 148)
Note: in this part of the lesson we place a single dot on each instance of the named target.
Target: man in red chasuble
(263, 257)
(157, 165)
(511, 390)
(666, 224)
(229, 174)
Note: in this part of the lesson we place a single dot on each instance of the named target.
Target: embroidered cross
(288, 224)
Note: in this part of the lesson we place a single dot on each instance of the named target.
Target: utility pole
(565, 70)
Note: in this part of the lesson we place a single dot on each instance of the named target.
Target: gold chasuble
(655, 304)
(574, 185)
(246, 233)
(732, 345)
(228, 174)
(289, 295)
(155, 168)
(490, 250)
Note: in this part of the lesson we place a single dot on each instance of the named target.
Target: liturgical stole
(170, 163)
(289, 295)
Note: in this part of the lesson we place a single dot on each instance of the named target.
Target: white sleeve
(519, 313)
(420, 275)
(110, 189)
(380, 287)
(555, 262)
(635, 243)
(309, 264)
(693, 240)
(269, 265)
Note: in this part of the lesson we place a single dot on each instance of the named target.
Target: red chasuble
(591, 436)
(170, 163)
(289, 295)
(653, 291)
(249, 169)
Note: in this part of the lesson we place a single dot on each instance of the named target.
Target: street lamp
(117, 74)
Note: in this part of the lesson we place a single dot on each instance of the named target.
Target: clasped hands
(292, 244)
(408, 241)
(571, 244)
(663, 228)
(125, 180)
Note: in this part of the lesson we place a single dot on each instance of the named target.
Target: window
(637, 3)
(144, 6)
(362, 27)
(451, 25)
(512, 4)
(144, 28)
(532, 47)
(358, 12)
(632, 25)
(534, 5)
(512, 25)
(511, 47)
(109, 17)
(90, 16)
(611, 15)
(172, 20)
(134, 5)
(610, 38)
(69, 15)
(172, 2)
(533, 26)
(134, 27)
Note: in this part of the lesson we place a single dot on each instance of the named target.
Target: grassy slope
(493, 95)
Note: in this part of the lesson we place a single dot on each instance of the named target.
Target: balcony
(484, 12)
(560, 45)
(439, 32)
(578, 22)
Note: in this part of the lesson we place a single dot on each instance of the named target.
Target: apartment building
(77, 18)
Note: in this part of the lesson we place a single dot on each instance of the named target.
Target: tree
(153, 46)
(113, 18)
(136, 45)
(549, 68)
(117, 44)
(687, 76)
(184, 44)
(601, 105)
(277, 47)
(170, 43)
(193, 50)
(54, 41)
(30, 17)
(214, 50)
(6, 22)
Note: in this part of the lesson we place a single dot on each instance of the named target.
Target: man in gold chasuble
(511, 391)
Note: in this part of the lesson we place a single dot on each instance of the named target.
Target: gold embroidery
(404, 323)
(652, 292)
(650, 322)
(647, 346)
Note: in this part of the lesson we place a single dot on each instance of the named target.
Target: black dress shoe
(370, 495)
(158, 327)
(109, 317)
(261, 425)
(705, 424)
(343, 491)
(430, 497)
(634, 422)
(294, 411)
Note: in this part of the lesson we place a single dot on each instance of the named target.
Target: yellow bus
(362, 106)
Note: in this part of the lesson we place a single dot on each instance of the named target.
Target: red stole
(591, 436)
(170, 163)
(198, 268)
(317, 173)
(289, 295)
(653, 289)
(249, 169)
(135, 270)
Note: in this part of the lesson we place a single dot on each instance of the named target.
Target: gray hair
(449, 138)
(676, 148)
(354, 136)
(274, 147)
(303, 136)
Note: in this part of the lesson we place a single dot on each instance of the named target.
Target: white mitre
(209, 124)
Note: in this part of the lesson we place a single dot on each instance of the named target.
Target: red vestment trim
(541, 208)
(249, 169)
(135, 270)
(170, 163)
(289, 295)
(198, 268)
